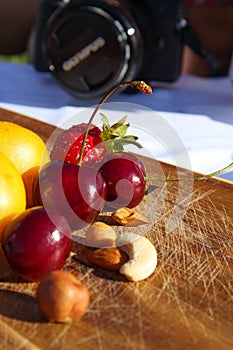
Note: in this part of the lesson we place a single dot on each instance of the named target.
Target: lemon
(26, 150)
(12, 191)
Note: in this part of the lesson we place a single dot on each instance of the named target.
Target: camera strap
(191, 39)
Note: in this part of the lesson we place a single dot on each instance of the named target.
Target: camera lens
(90, 48)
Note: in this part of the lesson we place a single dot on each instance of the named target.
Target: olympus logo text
(81, 55)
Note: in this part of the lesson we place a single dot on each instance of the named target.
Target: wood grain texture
(186, 304)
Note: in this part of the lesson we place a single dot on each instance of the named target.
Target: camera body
(90, 46)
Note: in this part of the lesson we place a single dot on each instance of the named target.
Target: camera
(90, 46)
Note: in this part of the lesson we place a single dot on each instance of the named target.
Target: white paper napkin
(197, 112)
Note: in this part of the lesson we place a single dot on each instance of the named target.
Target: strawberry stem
(140, 85)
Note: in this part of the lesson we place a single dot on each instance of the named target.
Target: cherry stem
(140, 85)
(202, 177)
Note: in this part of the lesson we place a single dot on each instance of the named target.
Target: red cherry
(133, 158)
(124, 175)
(77, 192)
(36, 242)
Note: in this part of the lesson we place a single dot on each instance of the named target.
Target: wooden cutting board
(186, 304)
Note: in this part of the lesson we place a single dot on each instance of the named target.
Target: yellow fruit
(26, 150)
(12, 191)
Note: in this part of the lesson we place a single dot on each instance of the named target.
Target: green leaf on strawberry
(115, 136)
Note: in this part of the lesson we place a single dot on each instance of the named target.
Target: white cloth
(187, 123)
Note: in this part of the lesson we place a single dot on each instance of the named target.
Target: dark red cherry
(77, 192)
(37, 242)
(138, 161)
(124, 175)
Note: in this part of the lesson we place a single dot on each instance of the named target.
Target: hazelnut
(62, 297)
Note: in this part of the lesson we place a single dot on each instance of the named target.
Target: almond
(107, 258)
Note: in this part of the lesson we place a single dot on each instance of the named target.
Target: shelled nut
(107, 258)
(142, 256)
(62, 297)
(130, 217)
(100, 235)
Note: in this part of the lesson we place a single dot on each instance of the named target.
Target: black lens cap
(90, 49)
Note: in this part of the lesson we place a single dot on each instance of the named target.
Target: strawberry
(112, 138)
(68, 144)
